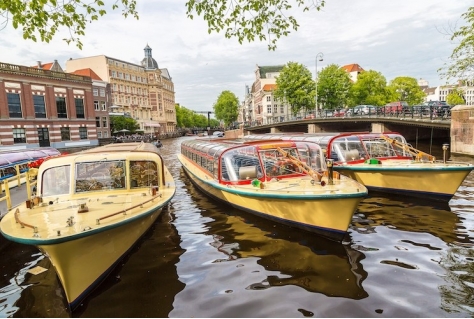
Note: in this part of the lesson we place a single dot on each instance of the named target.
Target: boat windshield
(92, 176)
(56, 181)
(241, 164)
(348, 148)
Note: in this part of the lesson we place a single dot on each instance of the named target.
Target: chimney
(39, 65)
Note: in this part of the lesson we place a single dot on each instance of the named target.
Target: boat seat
(248, 172)
(351, 155)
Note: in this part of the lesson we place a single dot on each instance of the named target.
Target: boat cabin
(240, 160)
(349, 147)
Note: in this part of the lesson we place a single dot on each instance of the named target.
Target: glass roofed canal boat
(285, 181)
(386, 162)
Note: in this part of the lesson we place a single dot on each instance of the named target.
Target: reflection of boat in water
(386, 162)
(91, 207)
(415, 216)
(289, 257)
(284, 181)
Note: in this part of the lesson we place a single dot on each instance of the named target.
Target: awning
(152, 125)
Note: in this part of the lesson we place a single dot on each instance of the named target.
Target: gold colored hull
(433, 180)
(295, 201)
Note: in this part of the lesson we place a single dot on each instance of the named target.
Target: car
(218, 134)
(339, 113)
(364, 109)
(398, 107)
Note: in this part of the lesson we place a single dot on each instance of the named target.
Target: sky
(395, 38)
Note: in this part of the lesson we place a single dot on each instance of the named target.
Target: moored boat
(89, 210)
(386, 162)
(283, 181)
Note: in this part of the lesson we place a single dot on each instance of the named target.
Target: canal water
(402, 257)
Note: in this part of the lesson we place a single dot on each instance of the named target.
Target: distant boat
(386, 162)
(284, 181)
(89, 210)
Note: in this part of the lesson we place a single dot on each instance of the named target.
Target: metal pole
(320, 55)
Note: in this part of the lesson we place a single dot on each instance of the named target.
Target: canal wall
(462, 130)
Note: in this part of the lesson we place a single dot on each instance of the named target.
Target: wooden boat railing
(303, 166)
(124, 211)
(413, 151)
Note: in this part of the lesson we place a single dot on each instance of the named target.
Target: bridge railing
(413, 112)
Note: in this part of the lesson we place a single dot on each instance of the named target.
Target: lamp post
(320, 56)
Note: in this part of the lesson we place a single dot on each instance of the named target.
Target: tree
(296, 87)
(455, 97)
(405, 88)
(121, 122)
(242, 19)
(370, 88)
(461, 64)
(227, 107)
(333, 87)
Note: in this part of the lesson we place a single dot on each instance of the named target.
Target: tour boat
(285, 181)
(386, 162)
(89, 210)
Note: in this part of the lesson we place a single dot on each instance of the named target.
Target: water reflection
(288, 256)
(409, 215)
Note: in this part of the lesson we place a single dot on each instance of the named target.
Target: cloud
(394, 38)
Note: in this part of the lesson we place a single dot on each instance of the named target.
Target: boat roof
(14, 157)
(122, 147)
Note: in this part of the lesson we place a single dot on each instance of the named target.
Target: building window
(96, 105)
(102, 92)
(99, 134)
(269, 109)
(104, 121)
(65, 134)
(275, 108)
(97, 121)
(19, 135)
(282, 109)
(61, 107)
(95, 92)
(106, 134)
(83, 133)
(269, 98)
(79, 108)
(103, 108)
(14, 105)
(40, 108)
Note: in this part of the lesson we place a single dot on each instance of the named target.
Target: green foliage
(41, 19)
(296, 87)
(334, 85)
(186, 118)
(370, 88)
(250, 19)
(461, 61)
(227, 107)
(405, 88)
(118, 123)
(456, 97)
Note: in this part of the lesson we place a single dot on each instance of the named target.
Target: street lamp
(320, 56)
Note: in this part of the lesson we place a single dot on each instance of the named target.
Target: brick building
(43, 106)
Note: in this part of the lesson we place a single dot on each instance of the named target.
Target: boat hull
(324, 214)
(435, 181)
(84, 263)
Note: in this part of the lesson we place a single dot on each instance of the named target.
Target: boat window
(93, 176)
(312, 155)
(56, 181)
(143, 174)
(241, 164)
(348, 149)
(378, 147)
(276, 164)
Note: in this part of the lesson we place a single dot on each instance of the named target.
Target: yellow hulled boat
(284, 181)
(89, 210)
(385, 162)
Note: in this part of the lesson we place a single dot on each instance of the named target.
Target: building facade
(144, 92)
(42, 107)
